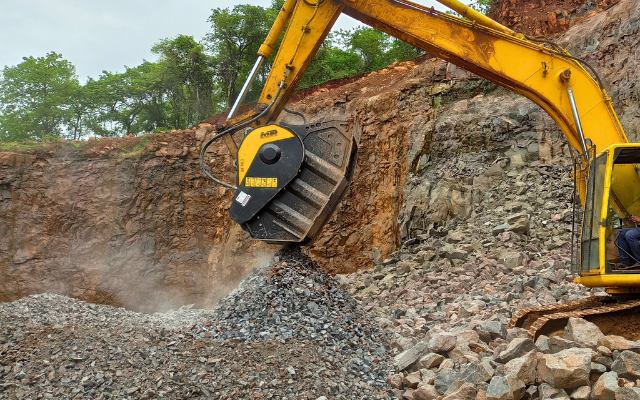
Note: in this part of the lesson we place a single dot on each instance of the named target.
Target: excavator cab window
(615, 166)
(590, 238)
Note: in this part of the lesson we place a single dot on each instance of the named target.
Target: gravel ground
(288, 332)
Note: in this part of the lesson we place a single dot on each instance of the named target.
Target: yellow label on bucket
(261, 182)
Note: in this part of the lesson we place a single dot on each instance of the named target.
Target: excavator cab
(605, 212)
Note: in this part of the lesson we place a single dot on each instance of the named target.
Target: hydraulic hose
(231, 131)
(301, 115)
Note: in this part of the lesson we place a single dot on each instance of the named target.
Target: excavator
(290, 178)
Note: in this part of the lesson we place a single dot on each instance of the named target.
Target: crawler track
(604, 311)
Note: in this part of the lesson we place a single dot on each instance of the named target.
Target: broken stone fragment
(410, 356)
(614, 342)
(583, 332)
(396, 381)
(517, 348)
(426, 392)
(581, 393)
(627, 365)
(477, 372)
(495, 328)
(445, 378)
(499, 229)
(557, 345)
(442, 342)
(413, 379)
(567, 369)
(430, 360)
(606, 386)
(548, 392)
(518, 223)
(505, 388)
(523, 368)
(625, 393)
(466, 392)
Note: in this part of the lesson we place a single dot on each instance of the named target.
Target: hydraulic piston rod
(265, 51)
(576, 118)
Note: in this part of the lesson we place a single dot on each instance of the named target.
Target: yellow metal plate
(254, 141)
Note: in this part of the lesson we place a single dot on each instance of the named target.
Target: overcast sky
(97, 35)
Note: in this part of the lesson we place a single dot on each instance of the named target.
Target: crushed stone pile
(288, 332)
(294, 298)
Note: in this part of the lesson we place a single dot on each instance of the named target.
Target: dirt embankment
(545, 17)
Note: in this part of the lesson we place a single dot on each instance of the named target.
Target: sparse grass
(140, 147)
(22, 147)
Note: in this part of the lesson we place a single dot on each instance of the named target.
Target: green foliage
(482, 6)
(186, 73)
(127, 102)
(35, 97)
(236, 34)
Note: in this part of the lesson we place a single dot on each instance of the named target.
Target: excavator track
(548, 319)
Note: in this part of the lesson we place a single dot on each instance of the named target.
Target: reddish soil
(545, 17)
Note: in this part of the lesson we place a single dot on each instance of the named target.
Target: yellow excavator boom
(537, 69)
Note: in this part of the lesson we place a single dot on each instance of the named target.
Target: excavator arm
(483, 47)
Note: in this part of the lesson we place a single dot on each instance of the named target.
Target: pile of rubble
(288, 332)
(294, 298)
(511, 252)
(450, 292)
(491, 363)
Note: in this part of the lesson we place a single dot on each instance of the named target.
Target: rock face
(536, 18)
(137, 231)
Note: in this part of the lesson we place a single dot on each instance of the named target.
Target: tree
(124, 102)
(372, 46)
(234, 40)
(187, 76)
(34, 98)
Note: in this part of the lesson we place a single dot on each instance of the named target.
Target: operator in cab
(628, 243)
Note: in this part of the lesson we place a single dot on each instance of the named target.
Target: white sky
(97, 35)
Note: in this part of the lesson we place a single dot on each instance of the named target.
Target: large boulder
(627, 365)
(567, 369)
(583, 332)
(523, 368)
(606, 386)
(477, 372)
(410, 356)
(442, 342)
(614, 342)
(505, 388)
(516, 348)
(445, 378)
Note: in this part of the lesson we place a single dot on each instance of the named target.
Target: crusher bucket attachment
(291, 178)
